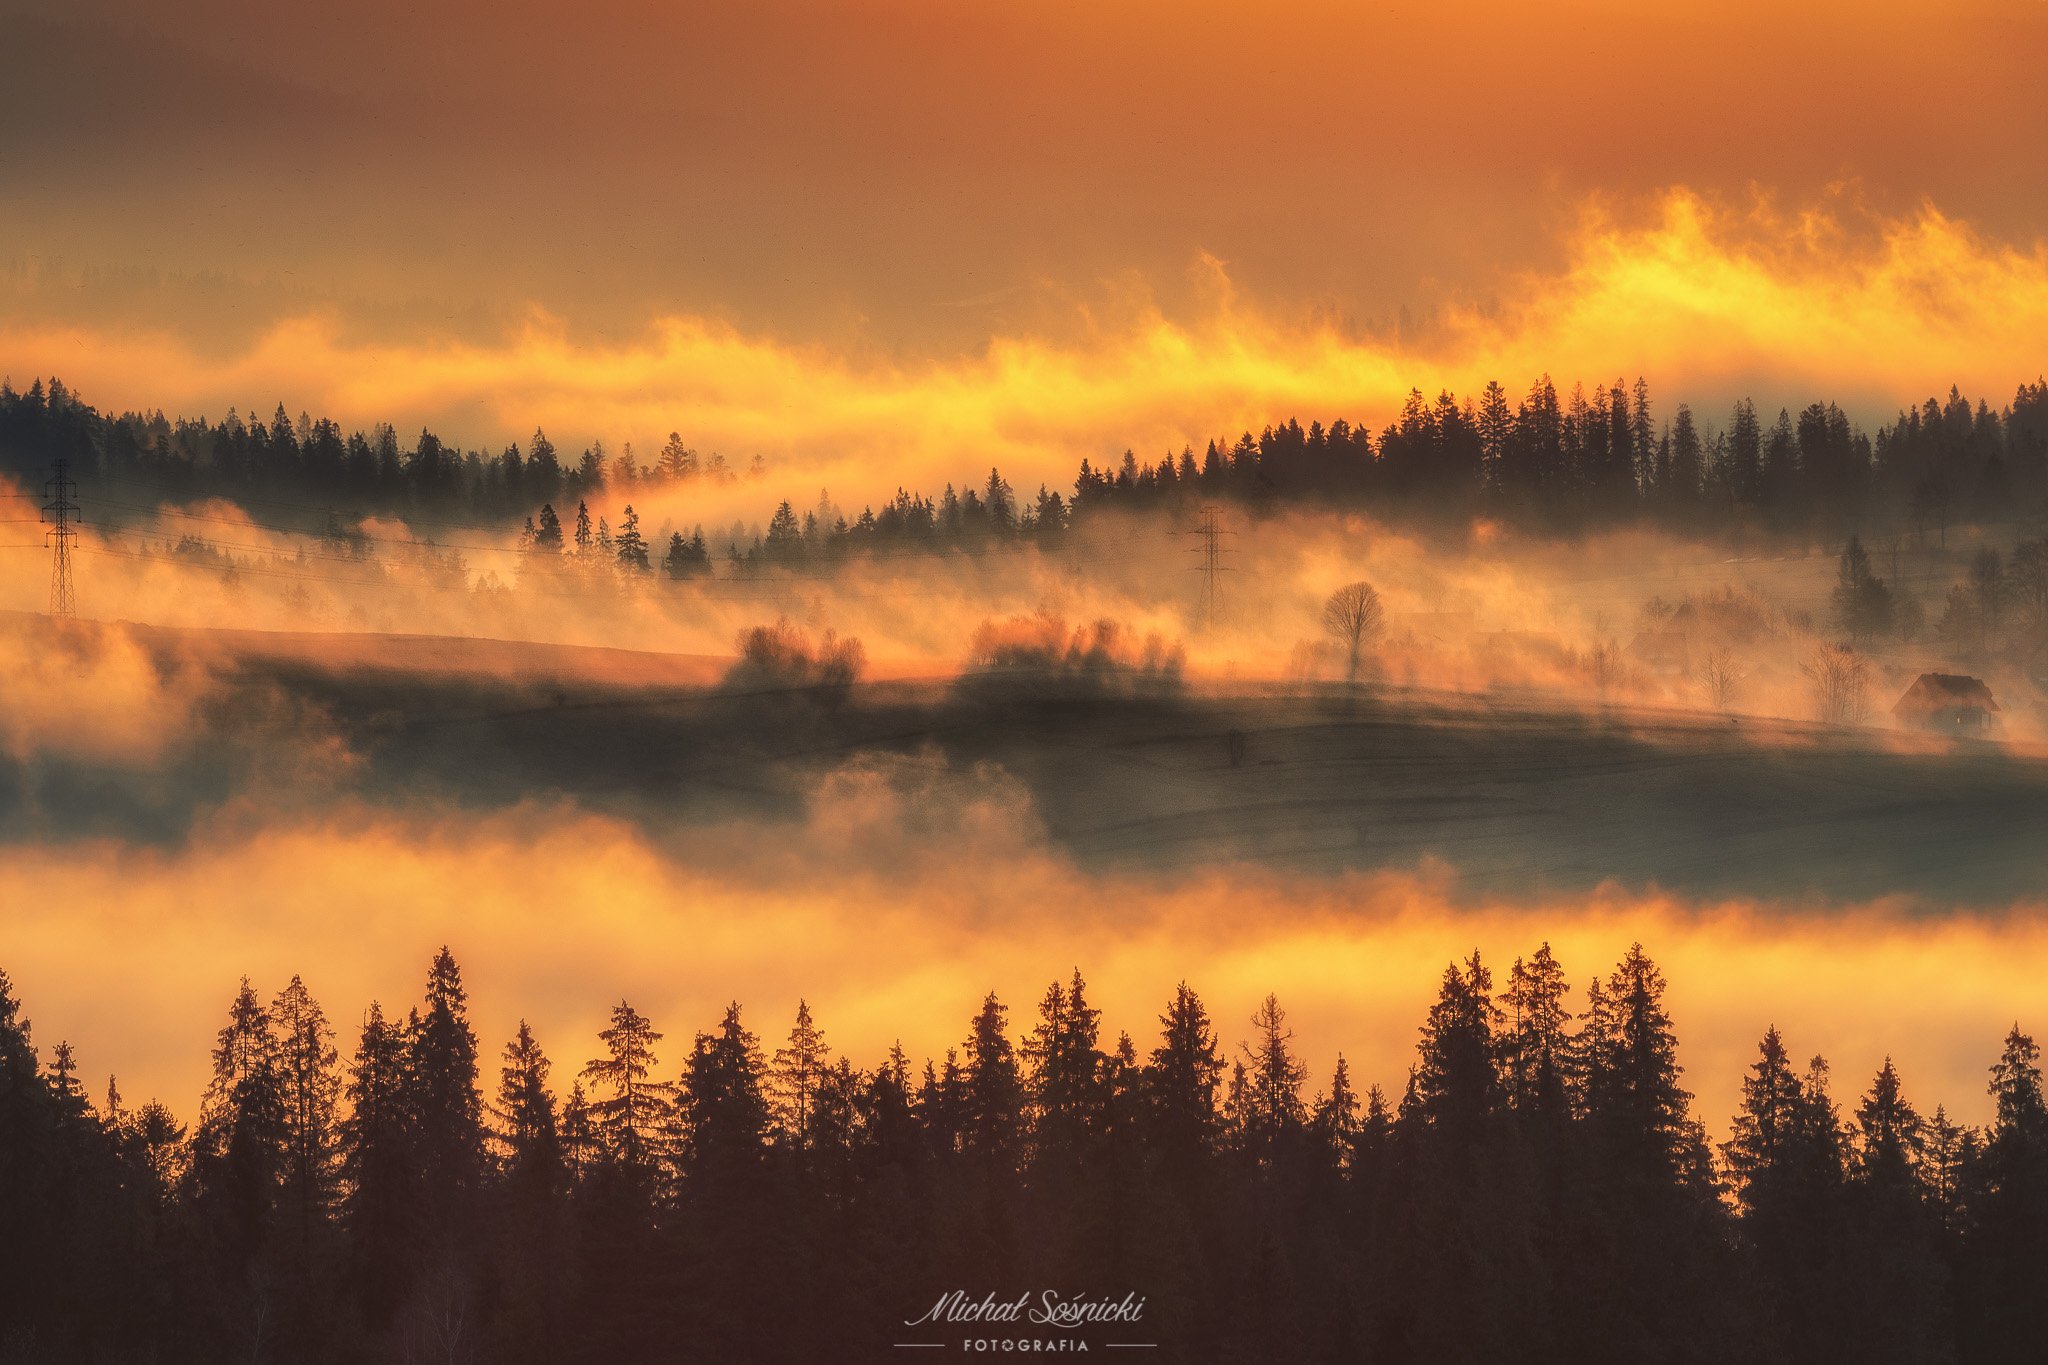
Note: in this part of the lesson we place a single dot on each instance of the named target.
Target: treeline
(1539, 1190)
(1998, 608)
(1549, 459)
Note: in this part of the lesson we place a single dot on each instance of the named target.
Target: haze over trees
(1547, 460)
(1861, 600)
(1540, 1187)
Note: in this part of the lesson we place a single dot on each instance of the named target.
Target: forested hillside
(1541, 1186)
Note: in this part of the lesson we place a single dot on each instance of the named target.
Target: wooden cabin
(1946, 703)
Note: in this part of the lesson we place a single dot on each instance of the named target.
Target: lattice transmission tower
(1209, 532)
(60, 490)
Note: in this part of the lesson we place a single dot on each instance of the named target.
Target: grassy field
(1513, 792)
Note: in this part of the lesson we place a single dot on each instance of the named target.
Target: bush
(782, 657)
(1105, 657)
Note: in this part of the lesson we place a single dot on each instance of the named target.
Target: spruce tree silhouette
(1543, 1191)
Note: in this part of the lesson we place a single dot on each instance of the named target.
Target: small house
(1947, 703)
(1663, 651)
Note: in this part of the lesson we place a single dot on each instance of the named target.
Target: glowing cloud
(1706, 300)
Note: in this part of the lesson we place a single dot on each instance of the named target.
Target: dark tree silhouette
(633, 1113)
(1542, 1191)
(1353, 617)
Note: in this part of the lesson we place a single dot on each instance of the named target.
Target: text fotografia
(1062, 1315)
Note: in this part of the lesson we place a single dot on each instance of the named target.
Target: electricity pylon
(1211, 531)
(59, 489)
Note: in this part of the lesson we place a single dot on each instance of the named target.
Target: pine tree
(580, 1145)
(1121, 1087)
(1688, 461)
(1640, 431)
(530, 1255)
(836, 1127)
(1947, 1146)
(311, 1086)
(1001, 505)
(1334, 1120)
(1236, 1120)
(2022, 1114)
(380, 1207)
(724, 1110)
(1456, 1086)
(238, 1148)
(794, 1077)
(1275, 1077)
(1891, 1137)
(632, 1111)
(2008, 1246)
(1861, 601)
(445, 1105)
(1786, 1160)
(1496, 432)
(941, 1106)
(784, 542)
(19, 1069)
(676, 461)
(992, 1090)
(1641, 1093)
(1066, 1069)
(1535, 1045)
(1744, 472)
(1765, 1131)
(887, 1112)
(31, 1193)
(632, 549)
(1895, 1272)
(1181, 1079)
(548, 536)
(1823, 1144)
(66, 1091)
(1591, 1053)
(527, 1134)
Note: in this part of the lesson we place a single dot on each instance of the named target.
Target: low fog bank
(1624, 618)
(145, 733)
(1010, 789)
(905, 889)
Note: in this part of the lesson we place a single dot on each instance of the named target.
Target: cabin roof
(1935, 691)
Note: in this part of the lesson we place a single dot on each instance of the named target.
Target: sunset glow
(844, 680)
(1714, 302)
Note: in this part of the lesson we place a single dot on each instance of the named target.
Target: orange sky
(364, 206)
(900, 240)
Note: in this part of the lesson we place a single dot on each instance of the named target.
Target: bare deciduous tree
(1841, 684)
(1607, 667)
(1354, 618)
(1719, 676)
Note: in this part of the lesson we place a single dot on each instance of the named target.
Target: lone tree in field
(1841, 685)
(1720, 676)
(1354, 618)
